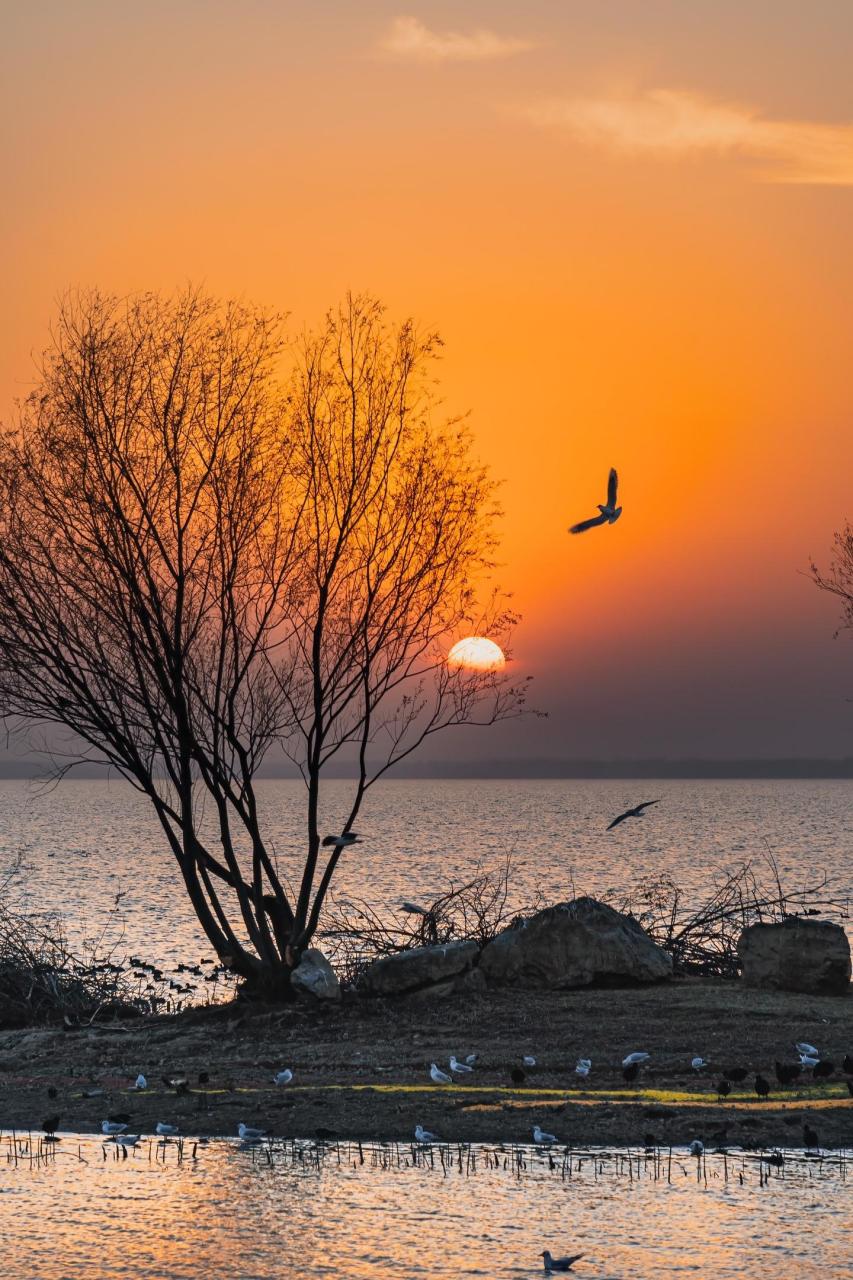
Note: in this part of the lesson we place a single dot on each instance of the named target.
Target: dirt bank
(362, 1069)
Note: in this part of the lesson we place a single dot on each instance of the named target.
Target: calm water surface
(255, 1215)
(87, 841)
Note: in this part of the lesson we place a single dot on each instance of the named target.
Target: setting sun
(477, 653)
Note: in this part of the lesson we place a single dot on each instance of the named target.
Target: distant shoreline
(534, 770)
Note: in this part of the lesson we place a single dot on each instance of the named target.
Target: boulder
(582, 943)
(418, 968)
(314, 978)
(796, 955)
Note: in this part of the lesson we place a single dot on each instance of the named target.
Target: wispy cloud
(410, 38)
(670, 124)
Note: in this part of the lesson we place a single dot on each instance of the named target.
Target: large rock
(581, 943)
(314, 978)
(420, 968)
(796, 955)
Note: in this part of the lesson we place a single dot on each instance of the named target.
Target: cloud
(671, 124)
(408, 37)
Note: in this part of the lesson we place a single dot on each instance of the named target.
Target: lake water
(85, 842)
(377, 1212)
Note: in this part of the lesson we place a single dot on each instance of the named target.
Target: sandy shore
(362, 1069)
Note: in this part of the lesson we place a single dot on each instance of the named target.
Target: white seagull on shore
(165, 1130)
(126, 1139)
(698, 1063)
(806, 1050)
(283, 1077)
(807, 1060)
(583, 1067)
(696, 1148)
(528, 1060)
(635, 1057)
(247, 1134)
(546, 1139)
(471, 1059)
(609, 513)
(110, 1127)
(424, 1135)
(140, 1082)
(559, 1264)
(459, 1067)
(438, 1076)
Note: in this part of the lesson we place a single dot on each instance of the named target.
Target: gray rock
(796, 955)
(314, 978)
(581, 943)
(419, 968)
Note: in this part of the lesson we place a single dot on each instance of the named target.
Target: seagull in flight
(636, 812)
(342, 841)
(609, 512)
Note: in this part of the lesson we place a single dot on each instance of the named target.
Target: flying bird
(341, 841)
(609, 513)
(636, 812)
(559, 1264)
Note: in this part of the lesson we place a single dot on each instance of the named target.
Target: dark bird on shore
(631, 1072)
(325, 1135)
(723, 1089)
(120, 1117)
(49, 1125)
(609, 513)
(204, 1077)
(517, 1075)
(810, 1139)
(736, 1074)
(787, 1072)
(823, 1070)
(559, 1264)
(52, 1091)
(762, 1088)
(177, 1083)
(850, 1087)
(847, 1064)
(650, 1141)
(636, 812)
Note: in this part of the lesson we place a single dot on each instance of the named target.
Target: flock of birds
(115, 1128)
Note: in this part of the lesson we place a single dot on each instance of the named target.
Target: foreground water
(227, 1213)
(88, 843)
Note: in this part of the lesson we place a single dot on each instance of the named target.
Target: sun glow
(477, 654)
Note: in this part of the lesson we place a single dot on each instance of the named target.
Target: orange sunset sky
(631, 223)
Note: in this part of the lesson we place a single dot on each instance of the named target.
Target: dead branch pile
(703, 940)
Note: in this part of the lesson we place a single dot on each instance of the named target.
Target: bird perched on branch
(636, 812)
(609, 513)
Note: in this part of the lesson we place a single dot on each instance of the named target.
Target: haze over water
(84, 842)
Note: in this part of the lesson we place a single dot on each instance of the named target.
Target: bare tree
(839, 579)
(202, 556)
